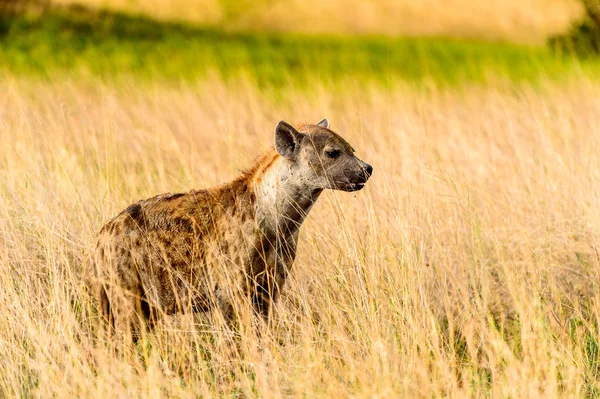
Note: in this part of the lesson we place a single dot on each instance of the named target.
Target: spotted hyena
(206, 249)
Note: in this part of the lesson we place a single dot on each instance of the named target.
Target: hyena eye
(333, 153)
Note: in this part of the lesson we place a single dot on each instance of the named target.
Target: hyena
(206, 249)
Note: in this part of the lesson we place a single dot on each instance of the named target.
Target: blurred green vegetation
(78, 41)
(583, 38)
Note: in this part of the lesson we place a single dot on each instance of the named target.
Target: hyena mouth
(357, 186)
(349, 186)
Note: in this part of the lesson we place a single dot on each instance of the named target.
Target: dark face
(326, 160)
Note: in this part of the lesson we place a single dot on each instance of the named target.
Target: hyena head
(320, 158)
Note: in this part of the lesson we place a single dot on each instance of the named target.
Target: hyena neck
(282, 199)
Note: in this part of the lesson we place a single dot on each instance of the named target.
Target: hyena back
(208, 248)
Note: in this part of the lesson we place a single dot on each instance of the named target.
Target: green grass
(77, 41)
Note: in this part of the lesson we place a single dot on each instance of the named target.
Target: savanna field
(468, 267)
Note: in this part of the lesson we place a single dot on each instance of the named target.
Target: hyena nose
(368, 170)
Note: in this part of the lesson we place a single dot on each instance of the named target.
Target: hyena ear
(324, 123)
(287, 140)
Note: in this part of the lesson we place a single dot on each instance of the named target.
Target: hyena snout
(355, 177)
(367, 171)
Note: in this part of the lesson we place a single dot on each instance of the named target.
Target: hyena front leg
(266, 289)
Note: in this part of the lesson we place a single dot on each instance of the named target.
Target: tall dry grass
(468, 267)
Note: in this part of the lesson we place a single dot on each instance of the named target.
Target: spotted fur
(205, 249)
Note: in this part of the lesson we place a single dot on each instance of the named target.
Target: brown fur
(208, 248)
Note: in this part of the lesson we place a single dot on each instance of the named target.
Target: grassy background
(80, 42)
(468, 266)
(513, 20)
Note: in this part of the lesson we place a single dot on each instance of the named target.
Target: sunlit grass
(84, 43)
(512, 20)
(467, 267)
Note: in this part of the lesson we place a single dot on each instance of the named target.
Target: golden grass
(467, 267)
(517, 20)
